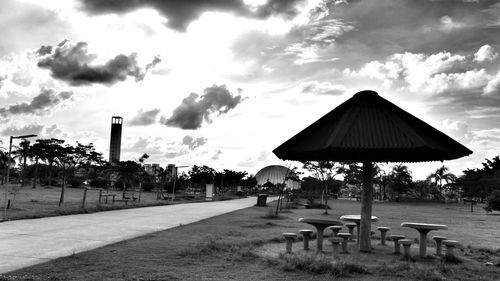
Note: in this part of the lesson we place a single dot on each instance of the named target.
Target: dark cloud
(175, 154)
(181, 13)
(195, 109)
(23, 130)
(52, 131)
(193, 143)
(144, 118)
(44, 50)
(71, 63)
(46, 100)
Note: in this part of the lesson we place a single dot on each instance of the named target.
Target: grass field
(247, 245)
(44, 202)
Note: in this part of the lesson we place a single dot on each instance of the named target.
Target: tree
(49, 150)
(127, 172)
(400, 179)
(353, 175)
(324, 170)
(202, 175)
(36, 153)
(22, 152)
(440, 175)
(480, 182)
(4, 156)
(383, 180)
(493, 201)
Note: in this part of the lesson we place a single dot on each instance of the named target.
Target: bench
(132, 195)
(105, 196)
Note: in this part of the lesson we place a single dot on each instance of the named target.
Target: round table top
(355, 218)
(427, 226)
(320, 222)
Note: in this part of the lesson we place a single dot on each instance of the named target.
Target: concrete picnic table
(423, 229)
(356, 219)
(320, 226)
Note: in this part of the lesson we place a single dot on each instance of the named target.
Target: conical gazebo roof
(367, 127)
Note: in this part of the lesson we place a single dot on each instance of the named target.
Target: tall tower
(116, 139)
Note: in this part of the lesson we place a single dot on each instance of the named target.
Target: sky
(224, 82)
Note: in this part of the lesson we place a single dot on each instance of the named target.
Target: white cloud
(448, 24)
(485, 53)
(493, 85)
(434, 73)
(321, 88)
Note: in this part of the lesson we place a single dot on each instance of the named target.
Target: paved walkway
(28, 242)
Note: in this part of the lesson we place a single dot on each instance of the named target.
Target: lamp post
(175, 178)
(8, 172)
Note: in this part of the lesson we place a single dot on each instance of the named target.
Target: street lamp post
(175, 178)
(8, 172)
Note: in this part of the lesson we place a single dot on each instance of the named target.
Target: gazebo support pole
(366, 208)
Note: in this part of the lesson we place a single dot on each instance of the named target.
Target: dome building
(276, 174)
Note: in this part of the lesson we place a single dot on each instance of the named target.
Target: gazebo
(367, 128)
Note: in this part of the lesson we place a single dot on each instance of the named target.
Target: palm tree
(22, 152)
(36, 152)
(440, 175)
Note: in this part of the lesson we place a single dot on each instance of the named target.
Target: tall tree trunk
(61, 199)
(24, 172)
(366, 208)
(325, 192)
(36, 173)
(50, 174)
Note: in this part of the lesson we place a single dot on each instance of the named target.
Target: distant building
(116, 139)
(152, 169)
(170, 171)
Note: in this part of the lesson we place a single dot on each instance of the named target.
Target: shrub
(75, 182)
(98, 182)
(493, 201)
(148, 186)
(320, 265)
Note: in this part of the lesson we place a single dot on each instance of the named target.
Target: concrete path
(28, 242)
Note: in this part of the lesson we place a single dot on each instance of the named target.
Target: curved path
(28, 242)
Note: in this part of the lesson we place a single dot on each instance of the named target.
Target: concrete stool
(450, 245)
(383, 231)
(406, 245)
(289, 237)
(439, 247)
(306, 234)
(351, 226)
(345, 237)
(335, 229)
(396, 238)
(335, 244)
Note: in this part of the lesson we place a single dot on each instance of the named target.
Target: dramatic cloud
(493, 85)
(24, 130)
(193, 143)
(52, 131)
(485, 53)
(144, 118)
(71, 63)
(181, 13)
(322, 88)
(195, 109)
(46, 100)
(44, 50)
(434, 73)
